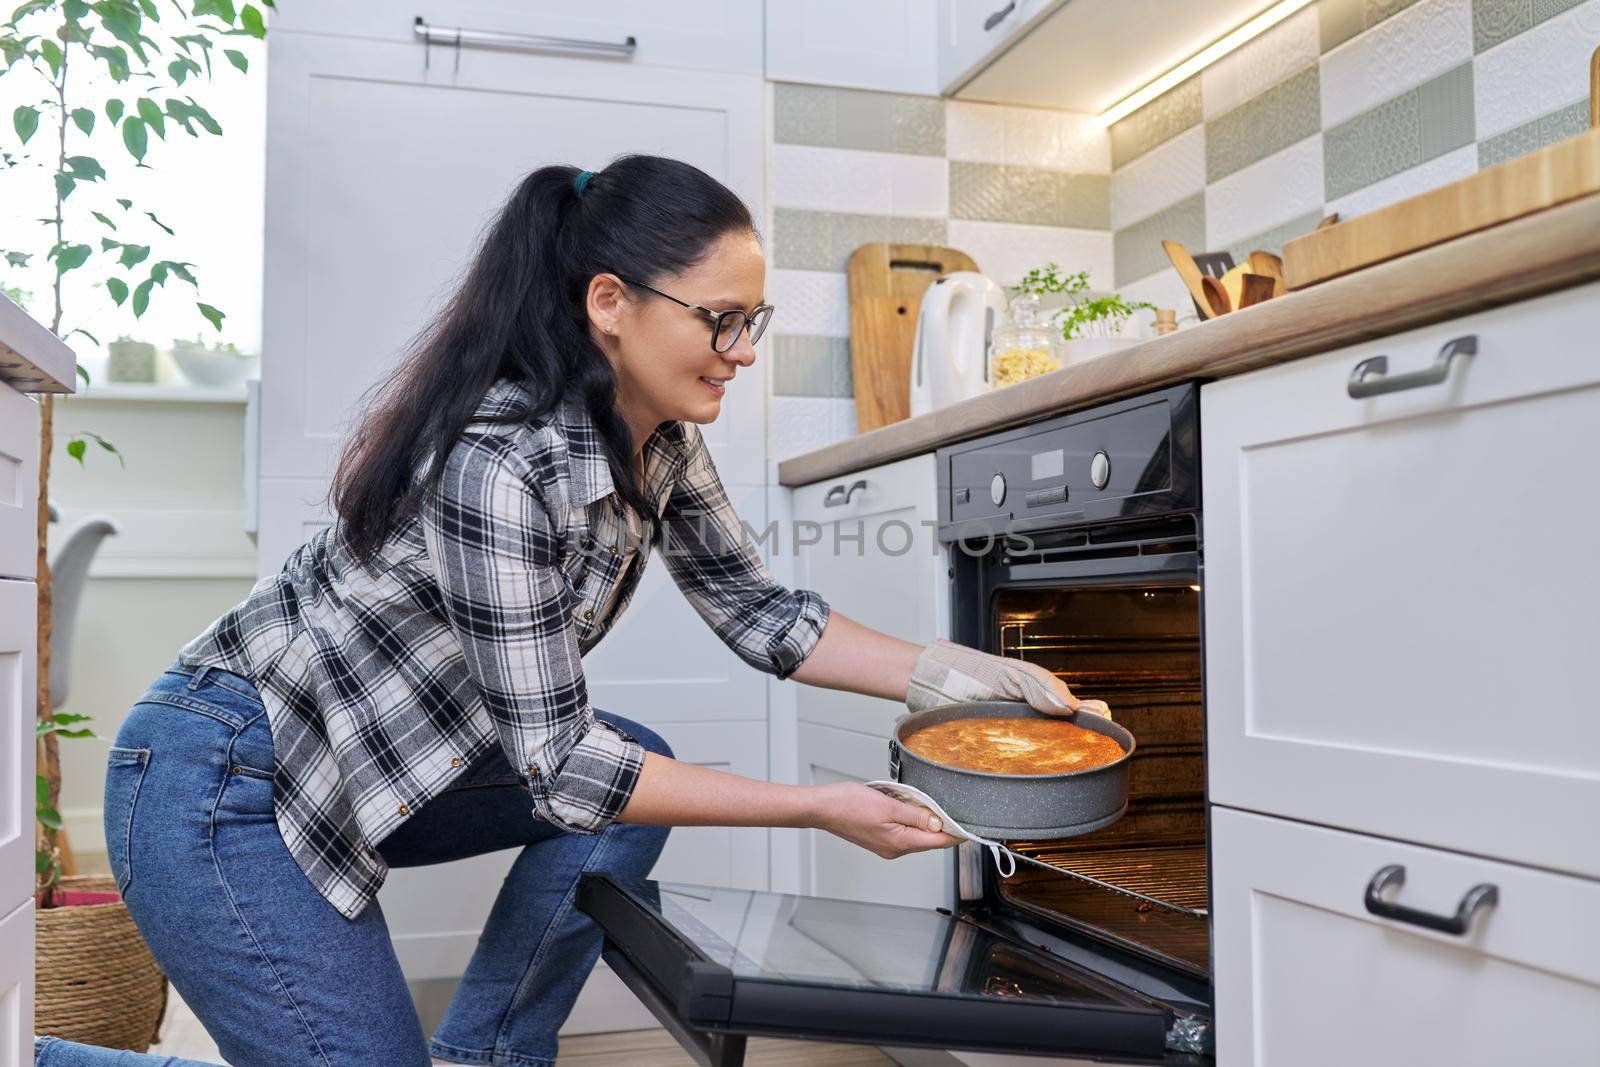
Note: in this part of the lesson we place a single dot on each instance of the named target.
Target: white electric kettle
(950, 356)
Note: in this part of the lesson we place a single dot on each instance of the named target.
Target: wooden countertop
(32, 359)
(1549, 250)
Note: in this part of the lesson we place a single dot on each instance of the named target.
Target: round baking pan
(1021, 806)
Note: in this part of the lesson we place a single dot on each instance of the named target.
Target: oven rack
(1198, 912)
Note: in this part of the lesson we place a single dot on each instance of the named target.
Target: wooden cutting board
(1552, 175)
(886, 286)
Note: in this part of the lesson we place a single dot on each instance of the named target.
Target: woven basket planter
(94, 978)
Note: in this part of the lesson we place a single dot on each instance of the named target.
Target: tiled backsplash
(1345, 106)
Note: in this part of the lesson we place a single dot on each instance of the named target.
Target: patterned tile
(1272, 240)
(888, 183)
(1444, 112)
(1449, 167)
(1537, 71)
(1138, 250)
(1160, 177)
(1558, 125)
(797, 424)
(823, 240)
(1164, 289)
(1260, 64)
(1058, 140)
(1001, 193)
(1343, 19)
(1269, 122)
(1005, 251)
(811, 366)
(1421, 42)
(1158, 121)
(857, 118)
(975, 132)
(1494, 21)
(1283, 186)
(810, 302)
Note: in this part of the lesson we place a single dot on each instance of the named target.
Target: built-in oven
(1072, 542)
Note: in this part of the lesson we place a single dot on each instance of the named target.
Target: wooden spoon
(1184, 264)
(1270, 265)
(1216, 297)
(1257, 287)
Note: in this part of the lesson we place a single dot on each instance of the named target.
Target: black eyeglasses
(726, 324)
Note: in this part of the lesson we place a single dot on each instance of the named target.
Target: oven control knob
(1100, 469)
(997, 490)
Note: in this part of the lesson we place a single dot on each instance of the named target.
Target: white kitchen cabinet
(714, 35)
(18, 700)
(833, 867)
(381, 173)
(888, 45)
(1399, 606)
(19, 484)
(875, 557)
(16, 983)
(1307, 975)
(972, 33)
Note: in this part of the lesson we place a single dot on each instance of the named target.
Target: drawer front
(723, 35)
(18, 700)
(1306, 975)
(1399, 590)
(19, 484)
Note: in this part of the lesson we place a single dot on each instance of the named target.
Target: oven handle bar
(1479, 896)
(1370, 376)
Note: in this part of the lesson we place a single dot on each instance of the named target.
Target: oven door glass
(746, 962)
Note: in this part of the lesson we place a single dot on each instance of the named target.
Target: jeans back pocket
(125, 769)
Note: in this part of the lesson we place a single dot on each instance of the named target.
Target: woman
(409, 689)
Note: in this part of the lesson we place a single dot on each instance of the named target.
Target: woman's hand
(880, 824)
(948, 673)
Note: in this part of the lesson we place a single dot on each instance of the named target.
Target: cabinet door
(16, 984)
(833, 867)
(1399, 591)
(889, 45)
(875, 557)
(19, 484)
(18, 699)
(382, 173)
(722, 35)
(1307, 975)
(973, 32)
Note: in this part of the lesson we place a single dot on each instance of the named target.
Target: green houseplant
(153, 55)
(1089, 325)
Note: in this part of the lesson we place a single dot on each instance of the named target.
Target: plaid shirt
(465, 635)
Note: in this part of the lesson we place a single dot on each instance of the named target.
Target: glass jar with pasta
(1025, 347)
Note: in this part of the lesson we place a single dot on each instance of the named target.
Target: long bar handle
(1479, 896)
(1370, 376)
(460, 35)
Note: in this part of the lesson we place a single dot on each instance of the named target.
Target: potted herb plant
(130, 361)
(1090, 325)
(214, 366)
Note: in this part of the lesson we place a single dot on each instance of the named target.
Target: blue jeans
(275, 973)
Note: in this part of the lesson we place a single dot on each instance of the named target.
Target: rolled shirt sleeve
(496, 551)
(723, 577)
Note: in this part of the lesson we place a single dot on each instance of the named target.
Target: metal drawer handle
(839, 495)
(1479, 896)
(459, 35)
(995, 19)
(1369, 378)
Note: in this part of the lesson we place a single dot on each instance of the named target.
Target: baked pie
(1013, 746)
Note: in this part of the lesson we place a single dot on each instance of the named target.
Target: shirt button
(588, 614)
(404, 809)
(533, 768)
(455, 761)
(613, 550)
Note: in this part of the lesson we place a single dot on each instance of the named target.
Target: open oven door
(715, 965)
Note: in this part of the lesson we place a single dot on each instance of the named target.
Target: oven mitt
(910, 794)
(948, 673)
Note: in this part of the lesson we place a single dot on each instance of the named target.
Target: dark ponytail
(520, 313)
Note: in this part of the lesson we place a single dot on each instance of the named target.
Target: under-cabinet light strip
(1202, 59)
